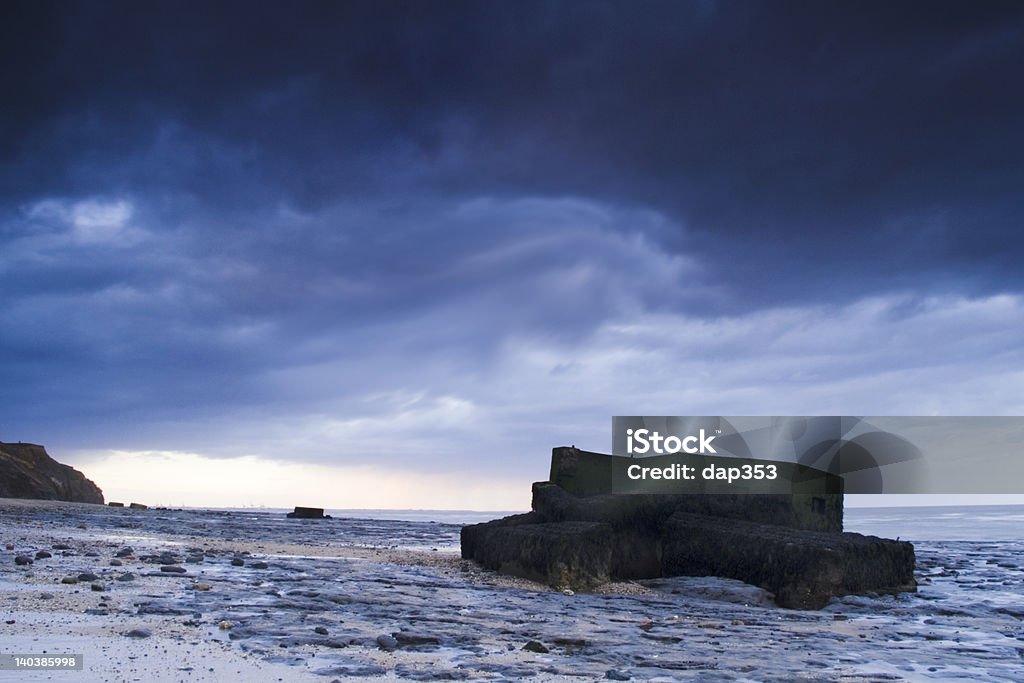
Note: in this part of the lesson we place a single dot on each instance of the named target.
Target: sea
(440, 618)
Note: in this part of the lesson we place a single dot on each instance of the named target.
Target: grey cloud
(233, 214)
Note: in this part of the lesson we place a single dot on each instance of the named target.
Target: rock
(387, 643)
(259, 565)
(360, 672)
(126, 551)
(28, 471)
(98, 587)
(70, 580)
(115, 505)
(407, 639)
(138, 633)
(116, 562)
(138, 506)
(613, 675)
(173, 569)
(126, 577)
(9, 546)
(320, 630)
(306, 513)
(237, 562)
(534, 646)
(46, 596)
(61, 546)
(87, 576)
(22, 560)
(225, 625)
(42, 555)
(202, 586)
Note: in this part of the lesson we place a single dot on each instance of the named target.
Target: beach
(251, 595)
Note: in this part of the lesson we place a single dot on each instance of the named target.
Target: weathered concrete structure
(306, 513)
(579, 535)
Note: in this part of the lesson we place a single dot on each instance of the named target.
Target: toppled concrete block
(791, 545)
(306, 513)
(802, 568)
(563, 554)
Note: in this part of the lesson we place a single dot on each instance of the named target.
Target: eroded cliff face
(28, 471)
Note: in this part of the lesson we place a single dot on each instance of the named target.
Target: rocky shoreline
(358, 599)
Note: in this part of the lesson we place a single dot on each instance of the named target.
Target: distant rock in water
(27, 471)
(306, 513)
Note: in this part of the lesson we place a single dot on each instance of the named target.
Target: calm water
(974, 523)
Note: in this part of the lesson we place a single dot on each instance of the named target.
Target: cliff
(28, 471)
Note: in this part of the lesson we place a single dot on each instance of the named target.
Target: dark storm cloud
(254, 210)
(840, 127)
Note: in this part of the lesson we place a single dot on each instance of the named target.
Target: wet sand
(236, 596)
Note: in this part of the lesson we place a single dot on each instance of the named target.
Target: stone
(115, 505)
(128, 576)
(306, 513)
(97, 587)
(126, 551)
(22, 560)
(534, 646)
(70, 580)
(138, 506)
(115, 562)
(409, 639)
(42, 555)
(138, 633)
(87, 576)
(258, 565)
(173, 569)
(237, 562)
(387, 643)
(28, 471)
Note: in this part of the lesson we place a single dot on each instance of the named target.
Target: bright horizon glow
(168, 478)
(171, 478)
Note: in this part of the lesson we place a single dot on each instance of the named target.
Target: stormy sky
(398, 242)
